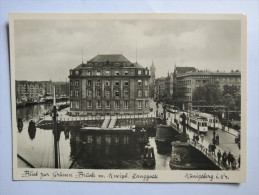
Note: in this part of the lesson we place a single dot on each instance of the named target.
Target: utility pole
(55, 130)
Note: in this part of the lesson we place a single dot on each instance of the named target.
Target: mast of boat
(55, 129)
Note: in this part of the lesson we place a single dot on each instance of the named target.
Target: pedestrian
(229, 158)
(233, 163)
(197, 138)
(209, 147)
(224, 158)
(213, 148)
(202, 138)
(217, 138)
(219, 156)
(194, 138)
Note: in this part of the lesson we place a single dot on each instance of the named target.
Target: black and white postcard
(129, 97)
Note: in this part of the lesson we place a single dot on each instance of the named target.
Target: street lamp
(214, 132)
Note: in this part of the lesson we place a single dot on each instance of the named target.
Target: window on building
(117, 104)
(139, 72)
(117, 73)
(107, 72)
(71, 72)
(146, 83)
(89, 82)
(126, 72)
(71, 83)
(126, 83)
(71, 104)
(126, 104)
(98, 105)
(146, 93)
(89, 92)
(126, 92)
(98, 73)
(107, 93)
(108, 105)
(89, 73)
(146, 104)
(98, 82)
(146, 72)
(139, 82)
(77, 104)
(117, 83)
(76, 72)
(139, 104)
(139, 93)
(107, 83)
(98, 93)
(71, 93)
(76, 92)
(117, 93)
(76, 82)
(89, 104)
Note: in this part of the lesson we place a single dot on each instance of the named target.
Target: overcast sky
(46, 50)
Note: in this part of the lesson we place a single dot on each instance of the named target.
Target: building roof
(182, 70)
(206, 73)
(110, 58)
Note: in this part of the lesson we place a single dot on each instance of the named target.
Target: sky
(48, 49)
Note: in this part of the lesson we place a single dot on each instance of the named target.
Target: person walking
(219, 156)
(217, 139)
(202, 138)
(224, 158)
(229, 158)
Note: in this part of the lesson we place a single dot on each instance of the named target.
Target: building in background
(34, 91)
(109, 84)
(169, 85)
(152, 81)
(160, 87)
(61, 89)
(186, 83)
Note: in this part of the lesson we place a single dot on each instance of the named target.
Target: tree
(209, 94)
(231, 97)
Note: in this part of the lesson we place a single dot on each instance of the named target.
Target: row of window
(108, 72)
(98, 93)
(108, 104)
(108, 83)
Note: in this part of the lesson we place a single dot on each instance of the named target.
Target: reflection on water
(101, 149)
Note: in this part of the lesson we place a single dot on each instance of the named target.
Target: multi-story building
(109, 84)
(61, 89)
(169, 85)
(32, 90)
(188, 82)
(160, 87)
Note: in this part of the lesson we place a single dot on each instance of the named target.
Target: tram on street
(199, 124)
(210, 120)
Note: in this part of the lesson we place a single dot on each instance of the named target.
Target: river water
(95, 150)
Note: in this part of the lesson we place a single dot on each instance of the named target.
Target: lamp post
(214, 132)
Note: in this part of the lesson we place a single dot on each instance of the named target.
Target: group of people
(197, 137)
(228, 160)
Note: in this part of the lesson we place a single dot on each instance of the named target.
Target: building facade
(160, 87)
(188, 82)
(109, 85)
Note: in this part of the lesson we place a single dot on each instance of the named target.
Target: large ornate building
(108, 85)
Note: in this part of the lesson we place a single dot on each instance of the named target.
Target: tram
(210, 119)
(199, 124)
